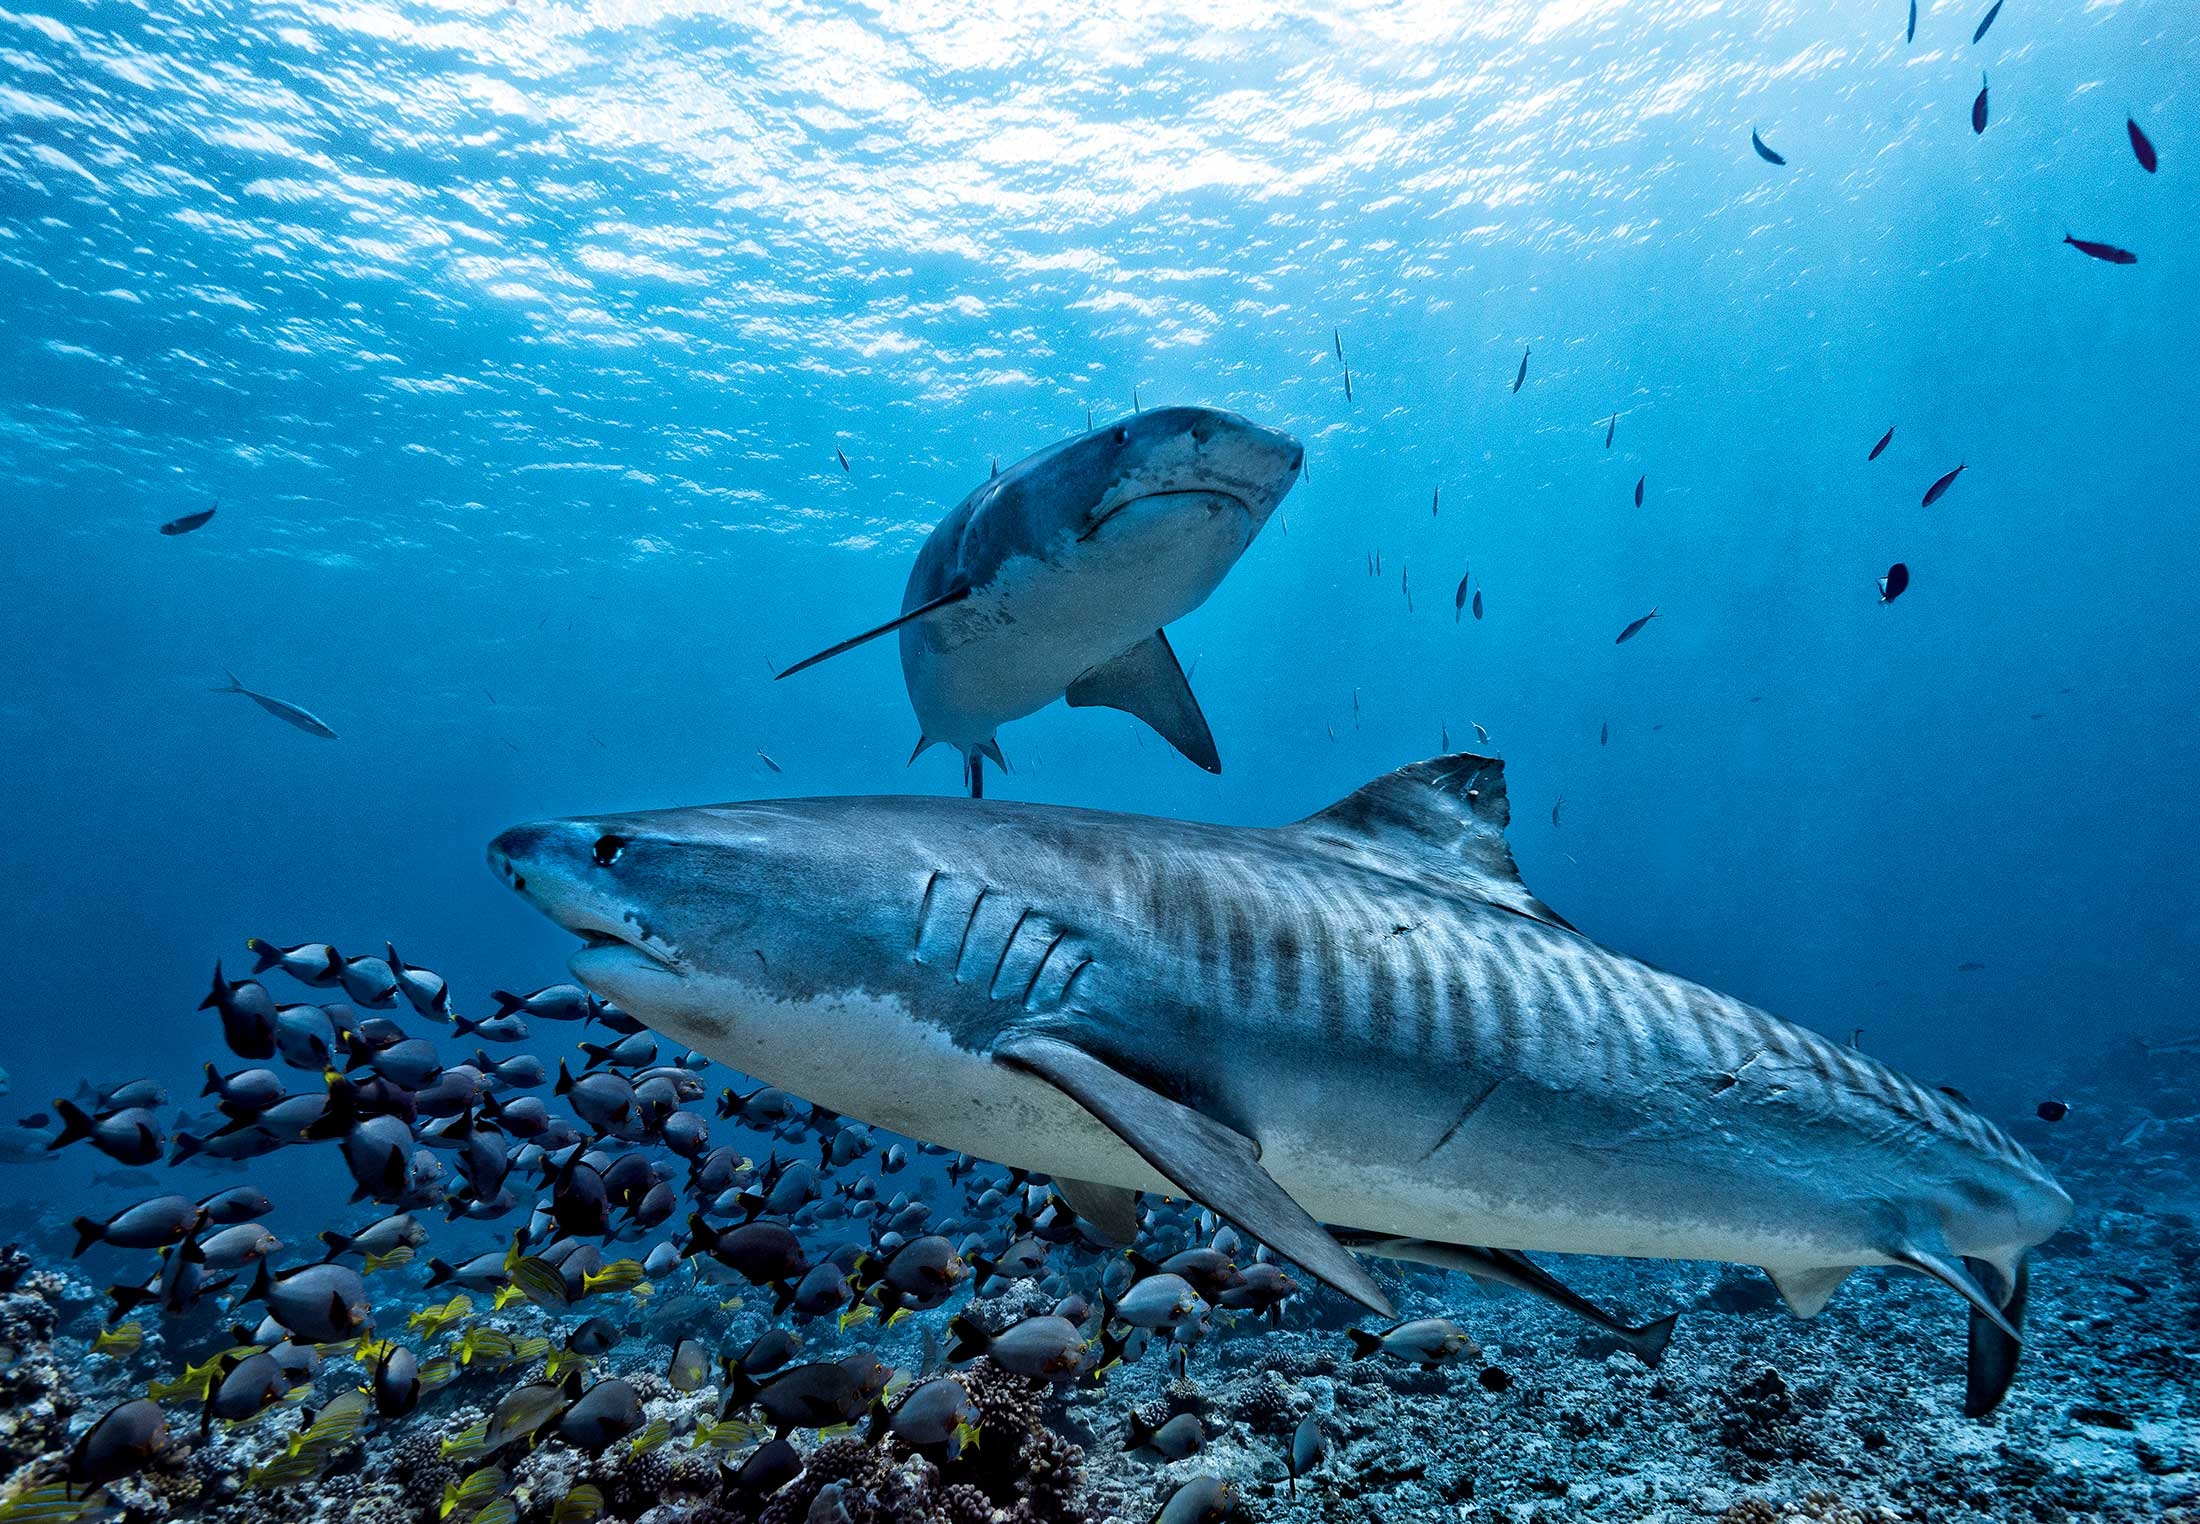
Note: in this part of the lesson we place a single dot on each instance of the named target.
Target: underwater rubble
(1750, 1417)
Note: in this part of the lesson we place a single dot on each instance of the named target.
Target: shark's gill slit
(1033, 984)
(924, 915)
(964, 945)
(1008, 945)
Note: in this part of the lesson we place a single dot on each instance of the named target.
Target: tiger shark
(1363, 1019)
(1055, 578)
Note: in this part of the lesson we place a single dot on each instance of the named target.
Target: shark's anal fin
(1214, 1165)
(1993, 1353)
(1509, 1267)
(1807, 1291)
(1147, 682)
(891, 625)
(1110, 1208)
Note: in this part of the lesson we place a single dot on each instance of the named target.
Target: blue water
(515, 342)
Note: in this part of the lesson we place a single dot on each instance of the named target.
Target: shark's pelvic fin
(1214, 1165)
(1807, 1291)
(1110, 1208)
(1959, 1280)
(924, 744)
(1509, 1267)
(891, 625)
(1993, 1353)
(1444, 819)
(1146, 681)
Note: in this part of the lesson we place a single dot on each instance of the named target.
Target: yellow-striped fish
(619, 1275)
(726, 1433)
(562, 1360)
(119, 1343)
(401, 1255)
(431, 1321)
(436, 1375)
(477, 1489)
(582, 1505)
(54, 1503)
(468, 1444)
(533, 1347)
(502, 1511)
(541, 1283)
(492, 1346)
(652, 1435)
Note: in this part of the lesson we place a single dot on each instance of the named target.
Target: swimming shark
(1055, 578)
(1363, 1019)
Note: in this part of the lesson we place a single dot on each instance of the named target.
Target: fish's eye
(608, 848)
(1122, 436)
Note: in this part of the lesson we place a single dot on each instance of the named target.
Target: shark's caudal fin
(1214, 1165)
(895, 623)
(1147, 682)
(1445, 819)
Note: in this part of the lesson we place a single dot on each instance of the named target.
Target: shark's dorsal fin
(1445, 818)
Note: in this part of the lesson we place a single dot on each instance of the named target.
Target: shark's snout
(570, 870)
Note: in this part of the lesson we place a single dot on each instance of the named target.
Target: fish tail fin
(124, 1298)
(971, 1340)
(439, 1271)
(1363, 1342)
(88, 1232)
(221, 989)
(265, 954)
(76, 1125)
(213, 1081)
(507, 1002)
(187, 1144)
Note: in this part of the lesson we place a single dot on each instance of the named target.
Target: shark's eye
(608, 849)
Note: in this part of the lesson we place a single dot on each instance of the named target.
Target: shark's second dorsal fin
(1446, 818)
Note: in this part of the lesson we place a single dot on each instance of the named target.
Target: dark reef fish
(1978, 108)
(1940, 486)
(1986, 21)
(1634, 628)
(1880, 448)
(1892, 585)
(1764, 152)
(1521, 375)
(1010, 1000)
(2142, 147)
(204, 516)
(2107, 253)
(1041, 583)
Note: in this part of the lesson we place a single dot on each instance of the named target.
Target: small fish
(1610, 429)
(1521, 374)
(1640, 483)
(767, 761)
(1636, 628)
(1436, 498)
(2053, 1111)
(1405, 587)
(1970, 968)
(1911, 35)
(282, 709)
(2142, 147)
(1561, 799)
(690, 1366)
(843, 457)
(474, 1492)
(1978, 109)
(541, 1283)
(1423, 1341)
(582, 1505)
(1763, 152)
(1479, 733)
(1478, 603)
(1348, 383)
(191, 521)
(1604, 734)
(1880, 448)
(1459, 599)
(1307, 1445)
(1202, 1500)
(1891, 586)
(1986, 21)
(1939, 489)
(1336, 337)
(1179, 1438)
(119, 1343)
(2107, 253)
(651, 1436)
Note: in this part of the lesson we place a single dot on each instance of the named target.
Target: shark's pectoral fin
(1147, 682)
(1213, 1164)
(891, 625)
(1110, 1208)
(1955, 1277)
(1509, 1267)
(1993, 1353)
(1807, 1291)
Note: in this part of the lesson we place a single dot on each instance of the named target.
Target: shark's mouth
(1113, 509)
(602, 946)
